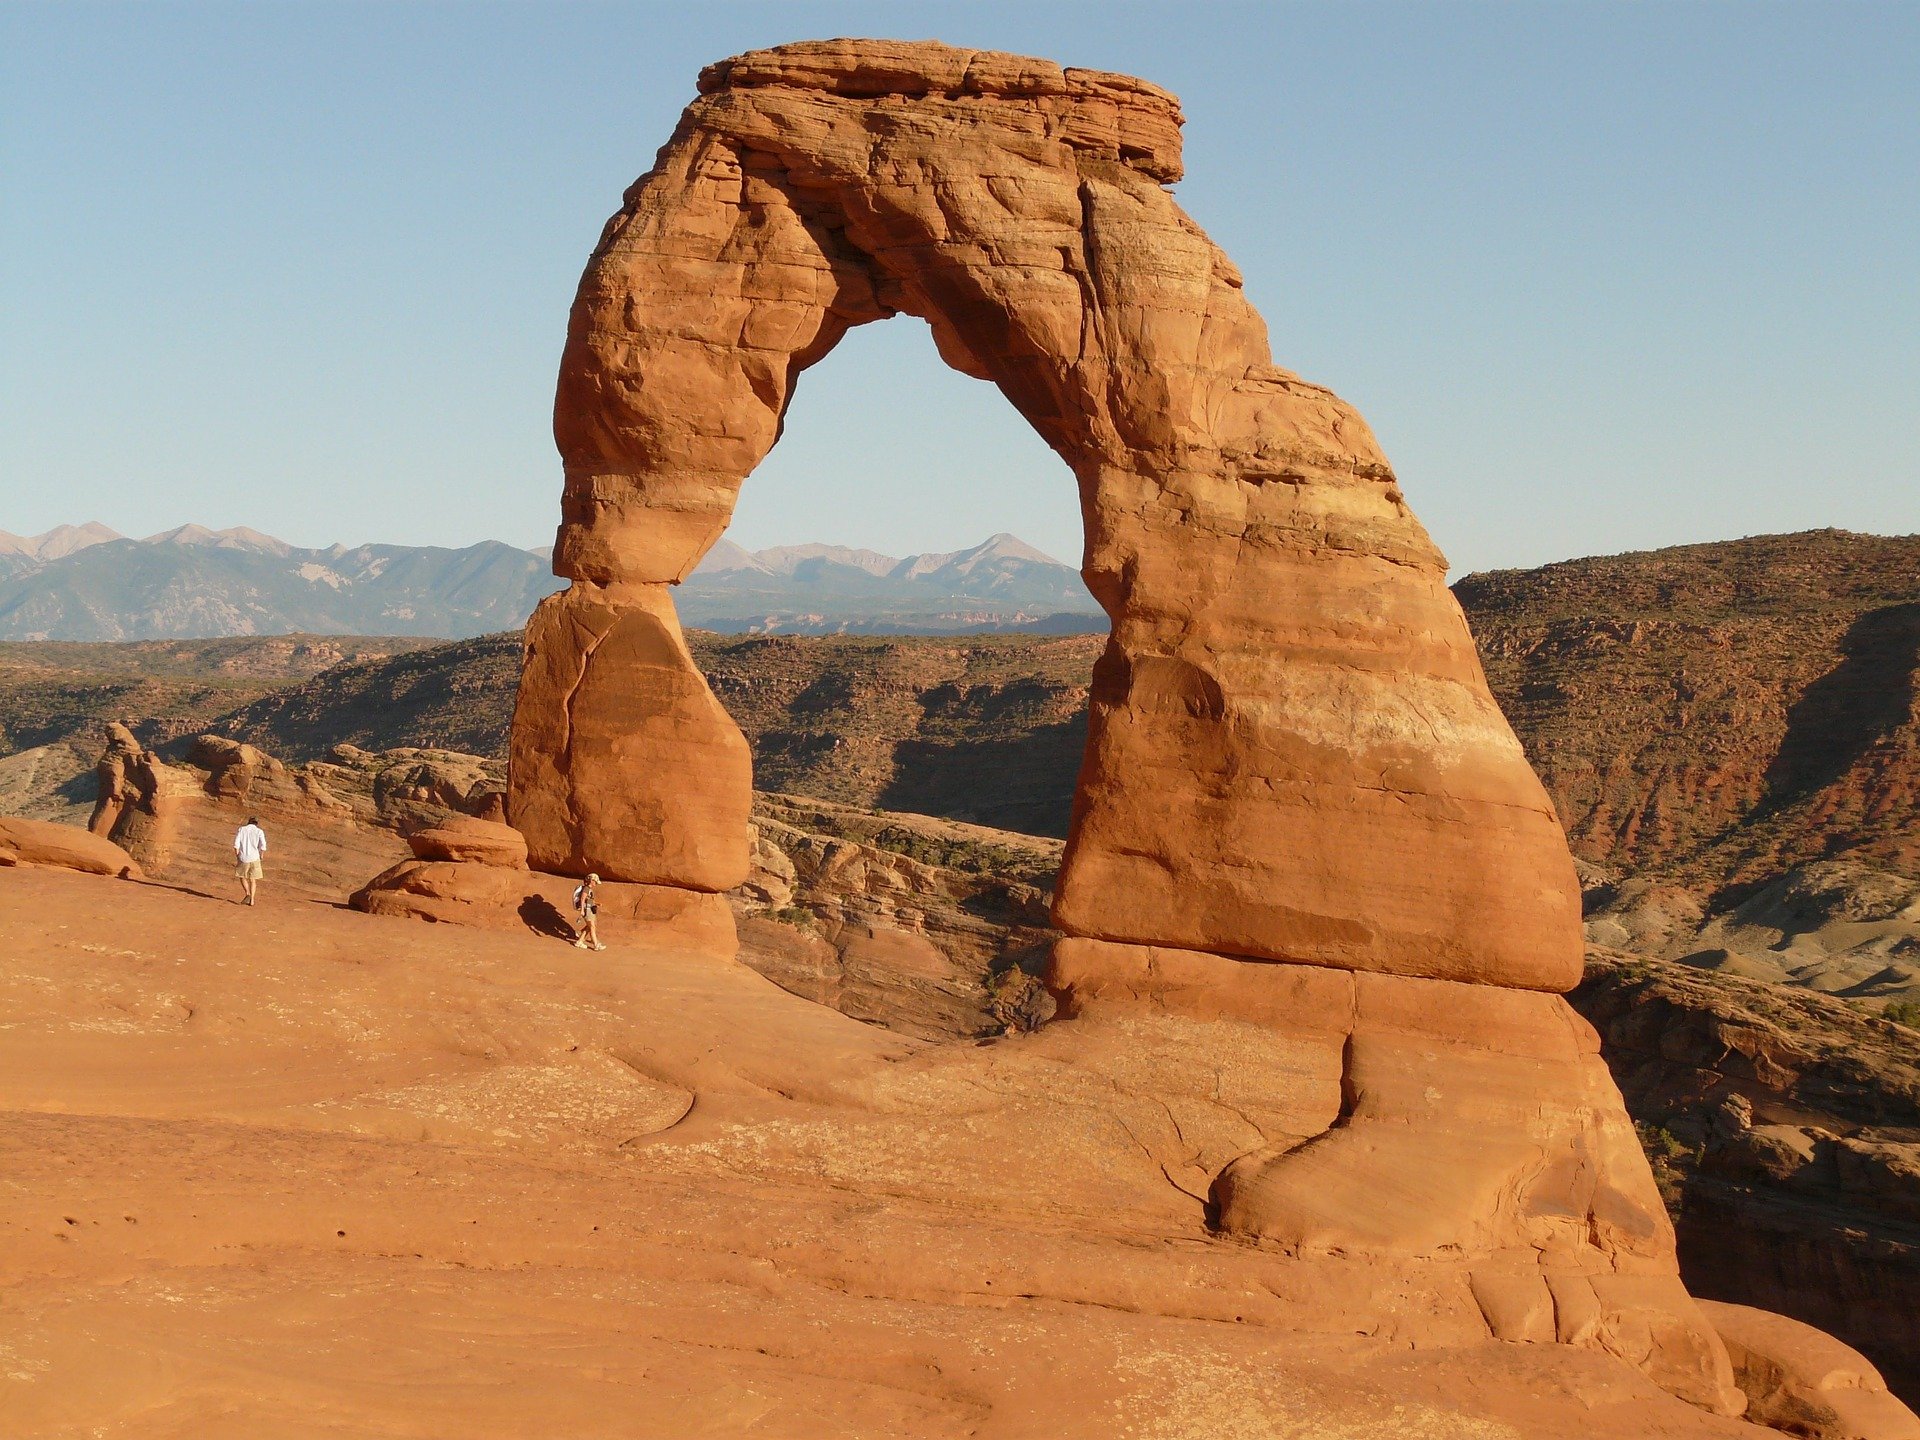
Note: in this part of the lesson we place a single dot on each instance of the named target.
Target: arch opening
(1291, 755)
(885, 447)
(965, 702)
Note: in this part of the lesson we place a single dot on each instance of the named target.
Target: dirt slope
(1719, 713)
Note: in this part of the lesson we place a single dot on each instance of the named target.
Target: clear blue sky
(1601, 276)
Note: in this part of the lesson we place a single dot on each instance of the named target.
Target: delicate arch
(1292, 752)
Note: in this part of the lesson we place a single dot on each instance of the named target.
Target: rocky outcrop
(623, 762)
(1299, 810)
(927, 926)
(496, 897)
(1785, 1130)
(62, 847)
(250, 777)
(467, 871)
(1327, 782)
(1472, 1122)
(465, 838)
(138, 799)
(1806, 1383)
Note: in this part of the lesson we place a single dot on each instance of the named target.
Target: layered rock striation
(1299, 812)
(1293, 754)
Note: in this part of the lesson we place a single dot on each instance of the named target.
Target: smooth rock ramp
(473, 1209)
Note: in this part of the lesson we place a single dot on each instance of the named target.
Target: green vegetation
(1902, 1012)
(973, 857)
(1671, 1160)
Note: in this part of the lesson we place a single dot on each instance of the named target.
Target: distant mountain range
(88, 582)
(1003, 583)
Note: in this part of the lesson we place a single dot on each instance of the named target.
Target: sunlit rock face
(1293, 754)
(1300, 813)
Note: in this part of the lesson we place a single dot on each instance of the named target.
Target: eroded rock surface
(927, 926)
(1785, 1128)
(1292, 754)
(1806, 1383)
(62, 847)
(390, 1179)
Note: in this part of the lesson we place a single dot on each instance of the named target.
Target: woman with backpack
(586, 905)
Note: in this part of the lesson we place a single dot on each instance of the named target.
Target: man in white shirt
(249, 845)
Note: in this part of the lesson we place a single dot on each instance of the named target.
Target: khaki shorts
(249, 870)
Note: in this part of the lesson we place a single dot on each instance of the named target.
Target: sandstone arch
(1304, 841)
(1293, 755)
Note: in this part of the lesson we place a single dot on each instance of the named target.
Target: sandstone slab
(468, 838)
(499, 898)
(64, 847)
(507, 1190)
(1805, 1382)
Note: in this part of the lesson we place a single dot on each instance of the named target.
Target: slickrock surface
(299, 1171)
(1324, 780)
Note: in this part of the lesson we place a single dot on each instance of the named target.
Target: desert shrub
(1902, 1012)
(1671, 1159)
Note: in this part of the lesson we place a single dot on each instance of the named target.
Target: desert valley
(1325, 1002)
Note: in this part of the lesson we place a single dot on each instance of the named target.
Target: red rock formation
(62, 847)
(474, 872)
(1806, 1383)
(1293, 753)
(138, 800)
(466, 838)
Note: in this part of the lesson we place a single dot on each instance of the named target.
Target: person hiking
(586, 904)
(249, 846)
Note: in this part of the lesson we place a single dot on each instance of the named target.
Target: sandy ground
(298, 1171)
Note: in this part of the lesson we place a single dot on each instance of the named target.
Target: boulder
(138, 799)
(64, 847)
(1805, 1382)
(230, 765)
(462, 837)
(465, 892)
